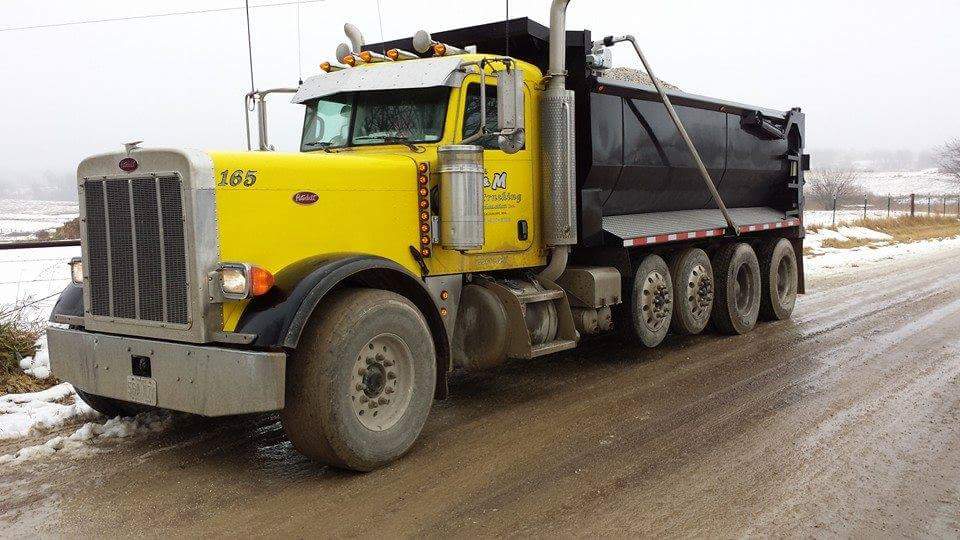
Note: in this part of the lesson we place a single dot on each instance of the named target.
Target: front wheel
(361, 383)
(110, 407)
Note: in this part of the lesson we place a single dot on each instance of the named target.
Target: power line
(153, 16)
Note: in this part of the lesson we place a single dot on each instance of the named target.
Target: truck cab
(447, 209)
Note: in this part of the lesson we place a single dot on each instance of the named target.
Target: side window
(471, 115)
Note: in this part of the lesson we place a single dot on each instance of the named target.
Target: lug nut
(362, 371)
(383, 401)
(364, 399)
(388, 363)
(391, 375)
(380, 357)
(369, 361)
(388, 389)
(360, 387)
(373, 405)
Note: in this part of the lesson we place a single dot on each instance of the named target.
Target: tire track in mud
(772, 433)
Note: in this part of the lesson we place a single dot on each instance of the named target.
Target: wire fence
(886, 207)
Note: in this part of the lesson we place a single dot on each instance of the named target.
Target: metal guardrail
(38, 244)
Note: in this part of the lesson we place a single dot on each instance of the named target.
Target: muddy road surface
(843, 421)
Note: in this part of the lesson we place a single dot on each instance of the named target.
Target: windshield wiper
(323, 145)
(390, 139)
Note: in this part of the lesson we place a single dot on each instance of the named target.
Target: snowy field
(928, 181)
(22, 219)
(34, 278)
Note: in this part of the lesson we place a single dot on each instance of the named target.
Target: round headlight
(76, 270)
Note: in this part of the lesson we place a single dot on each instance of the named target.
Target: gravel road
(844, 421)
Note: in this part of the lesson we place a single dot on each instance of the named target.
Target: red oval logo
(305, 197)
(128, 164)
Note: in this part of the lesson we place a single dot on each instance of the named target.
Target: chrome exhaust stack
(558, 183)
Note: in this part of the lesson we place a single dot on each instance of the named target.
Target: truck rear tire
(736, 273)
(651, 305)
(692, 276)
(110, 407)
(778, 278)
(360, 384)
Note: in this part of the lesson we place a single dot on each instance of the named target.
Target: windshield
(381, 117)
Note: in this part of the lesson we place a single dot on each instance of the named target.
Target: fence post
(889, 201)
(864, 207)
(944, 205)
(913, 205)
(928, 206)
(833, 222)
(958, 206)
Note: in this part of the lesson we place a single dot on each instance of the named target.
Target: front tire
(779, 278)
(361, 383)
(110, 407)
(651, 306)
(737, 300)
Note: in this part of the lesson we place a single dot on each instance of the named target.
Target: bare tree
(825, 185)
(948, 159)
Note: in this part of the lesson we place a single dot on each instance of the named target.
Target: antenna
(380, 18)
(299, 47)
(253, 87)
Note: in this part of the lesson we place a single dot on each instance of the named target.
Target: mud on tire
(361, 383)
(651, 303)
(736, 303)
(693, 291)
(779, 277)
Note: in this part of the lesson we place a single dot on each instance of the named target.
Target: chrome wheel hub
(655, 301)
(700, 292)
(382, 382)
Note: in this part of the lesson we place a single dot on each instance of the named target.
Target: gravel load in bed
(637, 76)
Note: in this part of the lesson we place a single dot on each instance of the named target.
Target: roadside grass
(903, 229)
(18, 339)
(849, 243)
(906, 229)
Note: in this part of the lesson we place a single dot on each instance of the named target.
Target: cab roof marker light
(400, 54)
(442, 49)
(330, 68)
(371, 57)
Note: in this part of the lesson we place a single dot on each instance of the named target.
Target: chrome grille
(136, 249)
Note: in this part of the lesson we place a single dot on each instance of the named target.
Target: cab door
(508, 189)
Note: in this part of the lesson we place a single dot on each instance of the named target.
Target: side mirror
(510, 103)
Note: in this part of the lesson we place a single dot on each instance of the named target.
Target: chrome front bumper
(199, 379)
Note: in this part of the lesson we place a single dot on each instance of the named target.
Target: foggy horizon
(178, 81)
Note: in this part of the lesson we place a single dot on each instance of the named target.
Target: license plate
(142, 390)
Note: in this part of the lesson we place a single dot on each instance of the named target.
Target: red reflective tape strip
(673, 237)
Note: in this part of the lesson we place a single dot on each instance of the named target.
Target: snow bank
(79, 441)
(38, 365)
(839, 261)
(22, 415)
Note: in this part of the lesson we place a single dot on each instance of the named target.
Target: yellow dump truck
(458, 200)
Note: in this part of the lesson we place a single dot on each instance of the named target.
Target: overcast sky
(870, 74)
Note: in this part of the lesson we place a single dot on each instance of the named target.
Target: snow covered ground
(21, 219)
(928, 181)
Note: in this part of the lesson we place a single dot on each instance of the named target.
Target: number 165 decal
(238, 177)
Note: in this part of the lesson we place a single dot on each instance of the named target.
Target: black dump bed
(635, 176)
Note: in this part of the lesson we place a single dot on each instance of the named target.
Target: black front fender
(70, 303)
(278, 318)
